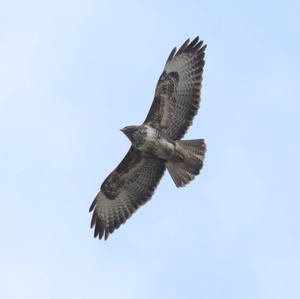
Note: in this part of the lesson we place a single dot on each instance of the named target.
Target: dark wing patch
(160, 111)
(128, 187)
(116, 180)
(174, 110)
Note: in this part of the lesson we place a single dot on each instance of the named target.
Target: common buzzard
(156, 144)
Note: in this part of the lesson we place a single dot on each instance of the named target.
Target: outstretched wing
(177, 94)
(128, 187)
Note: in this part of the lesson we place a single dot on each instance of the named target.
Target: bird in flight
(156, 144)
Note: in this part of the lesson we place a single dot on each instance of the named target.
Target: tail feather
(187, 162)
(196, 147)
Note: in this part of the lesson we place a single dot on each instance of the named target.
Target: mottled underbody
(151, 142)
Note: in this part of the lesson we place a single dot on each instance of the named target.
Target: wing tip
(203, 48)
(194, 46)
(183, 47)
(92, 207)
(99, 229)
(172, 54)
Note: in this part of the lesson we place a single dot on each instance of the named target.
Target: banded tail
(187, 162)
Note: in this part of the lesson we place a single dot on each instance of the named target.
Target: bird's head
(130, 132)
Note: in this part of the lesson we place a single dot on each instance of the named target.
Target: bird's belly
(158, 146)
(164, 149)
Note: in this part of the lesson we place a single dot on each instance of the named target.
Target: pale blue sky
(72, 74)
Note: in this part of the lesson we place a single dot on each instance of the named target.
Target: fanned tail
(187, 162)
